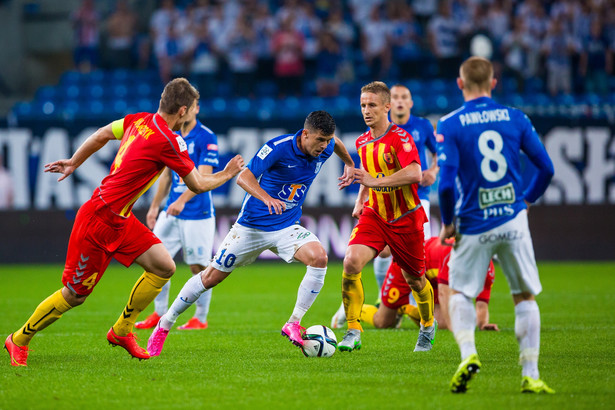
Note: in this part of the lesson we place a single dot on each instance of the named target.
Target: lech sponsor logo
(495, 196)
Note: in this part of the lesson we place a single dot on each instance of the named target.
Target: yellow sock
(412, 312)
(424, 300)
(353, 297)
(367, 314)
(145, 290)
(47, 312)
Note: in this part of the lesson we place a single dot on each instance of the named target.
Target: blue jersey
(423, 135)
(285, 173)
(481, 142)
(203, 150)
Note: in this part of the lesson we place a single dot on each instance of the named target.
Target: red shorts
(485, 294)
(404, 237)
(395, 291)
(97, 236)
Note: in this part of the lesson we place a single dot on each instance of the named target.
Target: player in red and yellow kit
(389, 212)
(105, 228)
(395, 293)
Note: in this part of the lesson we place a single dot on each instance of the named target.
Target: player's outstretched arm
(361, 198)
(430, 174)
(250, 184)
(92, 144)
(164, 185)
(178, 205)
(199, 183)
(347, 177)
(410, 174)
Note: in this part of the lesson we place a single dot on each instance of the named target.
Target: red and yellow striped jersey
(148, 145)
(383, 156)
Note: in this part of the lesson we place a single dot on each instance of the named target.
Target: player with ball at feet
(277, 180)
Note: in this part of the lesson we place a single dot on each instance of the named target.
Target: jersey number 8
(492, 155)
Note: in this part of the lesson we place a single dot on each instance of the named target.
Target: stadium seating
(109, 94)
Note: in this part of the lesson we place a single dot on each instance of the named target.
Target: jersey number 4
(492, 155)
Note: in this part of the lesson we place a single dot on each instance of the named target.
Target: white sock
(463, 322)
(381, 265)
(308, 290)
(527, 330)
(202, 306)
(161, 303)
(191, 291)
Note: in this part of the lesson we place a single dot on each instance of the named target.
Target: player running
(423, 135)
(389, 213)
(188, 221)
(276, 180)
(105, 227)
(478, 150)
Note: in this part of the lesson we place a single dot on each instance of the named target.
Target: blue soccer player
(188, 221)
(479, 146)
(277, 180)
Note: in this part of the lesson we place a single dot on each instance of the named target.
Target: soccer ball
(319, 341)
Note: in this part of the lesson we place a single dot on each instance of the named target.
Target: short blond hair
(379, 88)
(477, 74)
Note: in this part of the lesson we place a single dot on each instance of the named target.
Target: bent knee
(72, 298)
(352, 266)
(319, 259)
(384, 322)
(165, 269)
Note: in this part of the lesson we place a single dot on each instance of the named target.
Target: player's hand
(347, 177)
(363, 177)
(429, 177)
(235, 165)
(152, 215)
(175, 208)
(490, 326)
(447, 231)
(275, 206)
(357, 210)
(63, 166)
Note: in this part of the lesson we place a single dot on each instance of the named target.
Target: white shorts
(243, 245)
(511, 242)
(427, 225)
(194, 236)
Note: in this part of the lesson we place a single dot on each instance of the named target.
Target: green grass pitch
(242, 361)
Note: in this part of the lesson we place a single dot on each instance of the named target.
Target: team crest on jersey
(388, 158)
(266, 150)
(182, 144)
(318, 166)
(191, 148)
(416, 135)
(292, 192)
(407, 147)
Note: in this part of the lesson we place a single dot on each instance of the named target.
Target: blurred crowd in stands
(315, 46)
